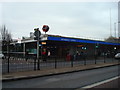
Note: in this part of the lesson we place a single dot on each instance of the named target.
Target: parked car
(117, 56)
(1, 55)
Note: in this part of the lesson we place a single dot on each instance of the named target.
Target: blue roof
(79, 40)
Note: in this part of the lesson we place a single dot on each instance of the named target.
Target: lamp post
(118, 29)
(115, 28)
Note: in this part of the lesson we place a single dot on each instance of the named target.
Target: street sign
(45, 28)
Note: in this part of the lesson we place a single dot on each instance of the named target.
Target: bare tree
(112, 39)
(6, 38)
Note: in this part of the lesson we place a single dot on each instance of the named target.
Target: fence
(15, 62)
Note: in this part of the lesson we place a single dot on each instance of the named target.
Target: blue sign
(79, 40)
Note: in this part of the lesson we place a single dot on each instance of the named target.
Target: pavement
(50, 72)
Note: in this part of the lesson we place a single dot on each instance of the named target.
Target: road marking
(52, 79)
(99, 83)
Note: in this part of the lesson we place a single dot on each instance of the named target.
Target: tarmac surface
(111, 84)
(73, 80)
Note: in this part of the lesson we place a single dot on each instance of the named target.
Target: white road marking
(99, 83)
(52, 79)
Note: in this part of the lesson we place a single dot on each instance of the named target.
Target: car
(1, 55)
(117, 56)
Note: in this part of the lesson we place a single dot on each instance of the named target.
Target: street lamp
(115, 28)
(118, 29)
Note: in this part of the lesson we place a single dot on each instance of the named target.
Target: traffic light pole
(38, 39)
(37, 49)
(38, 55)
(37, 34)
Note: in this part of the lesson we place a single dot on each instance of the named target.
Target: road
(69, 80)
(111, 84)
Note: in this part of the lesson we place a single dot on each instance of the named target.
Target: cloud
(70, 19)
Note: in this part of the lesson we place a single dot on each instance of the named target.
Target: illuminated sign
(80, 45)
(43, 43)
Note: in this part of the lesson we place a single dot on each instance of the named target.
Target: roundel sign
(45, 28)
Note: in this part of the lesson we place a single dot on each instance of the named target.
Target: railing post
(38, 66)
(55, 62)
(34, 63)
(95, 58)
(8, 63)
(84, 61)
(104, 57)
(72, 62)
(112, 58)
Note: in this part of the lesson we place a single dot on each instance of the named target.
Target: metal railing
(15, 62)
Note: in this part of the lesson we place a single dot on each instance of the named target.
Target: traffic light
(37, 34)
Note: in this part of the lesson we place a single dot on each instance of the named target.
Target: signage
(45, 28)
(79, 40)
(80, 45)
(43, 43)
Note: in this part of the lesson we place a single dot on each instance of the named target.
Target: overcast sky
(75, 19)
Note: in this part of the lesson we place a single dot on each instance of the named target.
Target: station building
(61, 46)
